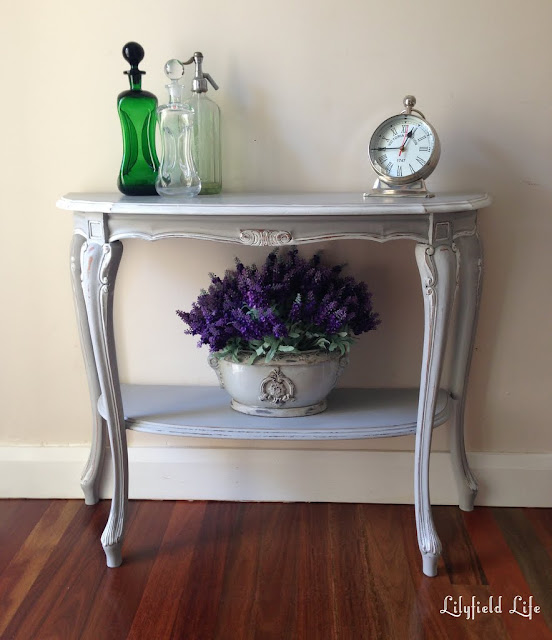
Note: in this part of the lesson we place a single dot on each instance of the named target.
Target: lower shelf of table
(201, 411)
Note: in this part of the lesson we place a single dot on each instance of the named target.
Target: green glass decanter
(138, 114)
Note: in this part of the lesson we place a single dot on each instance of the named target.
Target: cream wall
(303, 84)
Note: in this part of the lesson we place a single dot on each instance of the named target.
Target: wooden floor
(233, 571)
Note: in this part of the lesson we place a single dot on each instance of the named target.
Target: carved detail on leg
(100, 264)
(91, 474)
(437, 273)
(469, 256)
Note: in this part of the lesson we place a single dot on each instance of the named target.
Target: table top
(291, 204)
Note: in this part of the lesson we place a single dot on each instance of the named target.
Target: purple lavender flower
(288, 302)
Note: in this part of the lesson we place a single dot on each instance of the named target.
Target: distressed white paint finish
(437, 266)
(205, 412)
(91, 474)
(300, 218)
(269, 204)
(303, 382)
(99, 265)
(468, 251)
(440, 226)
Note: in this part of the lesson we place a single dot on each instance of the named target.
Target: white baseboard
(505, 479)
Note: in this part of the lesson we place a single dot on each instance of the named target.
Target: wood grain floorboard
(432, 592)
(380, 526)
(120, 590)
(459, 556)
(316, 615)
(429, 591)
(541, 519)
(199, 601)
(357, 609)
(503, 573)
(531, 556)
(72, 565)
(269, 571)
(19, 576)
(168, 577)
(276, 591)
(17, 520)
(78, 591)
(235, 612)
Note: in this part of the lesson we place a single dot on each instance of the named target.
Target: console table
(449, 261)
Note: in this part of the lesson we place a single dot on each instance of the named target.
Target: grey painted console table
(449, 261)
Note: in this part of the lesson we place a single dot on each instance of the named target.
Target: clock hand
(409, 135)
(404, 140)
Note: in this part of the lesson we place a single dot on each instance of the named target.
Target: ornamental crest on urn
(277, 388)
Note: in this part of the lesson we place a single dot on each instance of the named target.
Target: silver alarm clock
(404, 151)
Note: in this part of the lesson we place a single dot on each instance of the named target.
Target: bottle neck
(135, 80)
(175, 93)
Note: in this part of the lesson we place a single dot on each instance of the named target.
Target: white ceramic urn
(290, 385)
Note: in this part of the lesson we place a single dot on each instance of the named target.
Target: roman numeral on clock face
(422, 162)
(399, 171)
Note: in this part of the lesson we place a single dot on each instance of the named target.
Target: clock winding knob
(409, 102)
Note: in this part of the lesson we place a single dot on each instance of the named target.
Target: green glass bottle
(138, 114)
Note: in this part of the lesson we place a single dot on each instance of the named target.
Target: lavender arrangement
(288, 305)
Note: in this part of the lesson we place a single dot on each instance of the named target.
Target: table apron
(274, 230)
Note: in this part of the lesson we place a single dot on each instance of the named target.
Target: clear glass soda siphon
(177, 174)
(206, 146)
(138, 115)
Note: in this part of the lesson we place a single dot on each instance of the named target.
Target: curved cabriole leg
(91, 475)
(468, 250)
(437, 272)
(99, 270)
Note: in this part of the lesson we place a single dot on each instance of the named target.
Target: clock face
(403, 149)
